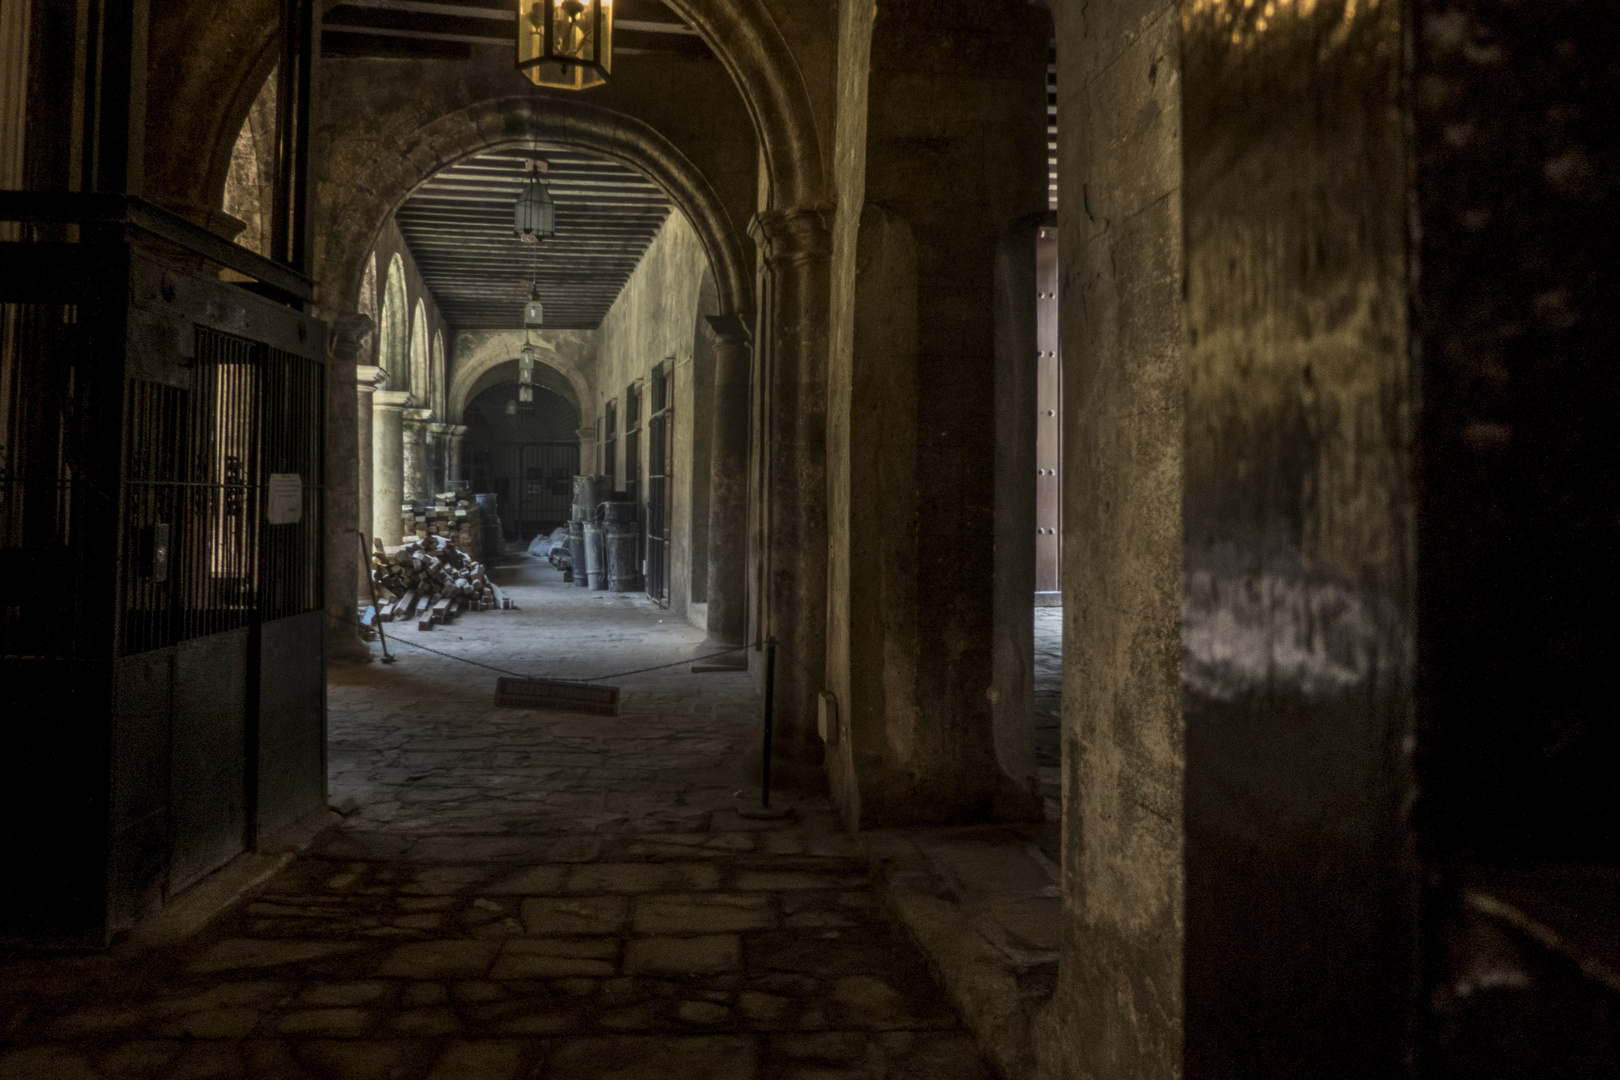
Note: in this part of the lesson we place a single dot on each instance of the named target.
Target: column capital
(441, 428)
(369, 377)
(793, 236)
(457, 430)
(418, 415)
(391, 399)
(586, 432)
(723, 328)
(344, 332)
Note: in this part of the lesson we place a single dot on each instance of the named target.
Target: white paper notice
(286, 498)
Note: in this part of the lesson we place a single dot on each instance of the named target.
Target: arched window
(420, 387)
(368, 306)
(437, 375)
(395, 339)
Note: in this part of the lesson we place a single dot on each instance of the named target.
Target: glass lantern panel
(577, 54)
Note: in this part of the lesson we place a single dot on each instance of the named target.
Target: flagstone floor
(518, 894)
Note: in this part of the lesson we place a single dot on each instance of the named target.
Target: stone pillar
(587, 450)
(414, 463)
(368, 379)
(453, 473)
(387, 462)
(796, 248)
(341, 508)
(438, 470)
(728, 490)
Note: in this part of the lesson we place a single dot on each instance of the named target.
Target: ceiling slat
(458, 226)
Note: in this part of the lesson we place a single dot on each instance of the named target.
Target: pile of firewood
(453, 516)
(431, 580)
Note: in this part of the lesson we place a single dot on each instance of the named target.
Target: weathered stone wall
(652, 322)
(1297, 635)
(1117, 1011)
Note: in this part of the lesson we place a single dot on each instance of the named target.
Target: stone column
(438, 470)
(728, 491)
(453, 473)
(587, 450)
(341, 509)
(387, 462)
(414, 464)
(796, 249)
(368, 379)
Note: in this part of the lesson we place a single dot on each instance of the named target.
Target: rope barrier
(397, 640)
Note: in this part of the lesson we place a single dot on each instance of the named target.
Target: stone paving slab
(521, 895)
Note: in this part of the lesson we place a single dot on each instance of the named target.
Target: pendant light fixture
(534, 218)
(566, 44)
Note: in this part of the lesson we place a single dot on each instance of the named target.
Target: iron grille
(198, 556)
(538, 486)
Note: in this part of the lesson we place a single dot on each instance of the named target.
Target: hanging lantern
(526, 394)
(534, 218)
(534, 312)
(567, 44)
(526, 366)
(511, 408)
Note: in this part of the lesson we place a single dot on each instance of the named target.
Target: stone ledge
(985, 907)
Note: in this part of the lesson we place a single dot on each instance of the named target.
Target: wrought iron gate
(538, 490)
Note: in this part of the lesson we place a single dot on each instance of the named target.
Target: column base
(704, 657)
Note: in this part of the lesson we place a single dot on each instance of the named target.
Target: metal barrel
(621, 533)
(576, 551)
(594, 553)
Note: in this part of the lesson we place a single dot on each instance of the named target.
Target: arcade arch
(418, 383)
(394, 336)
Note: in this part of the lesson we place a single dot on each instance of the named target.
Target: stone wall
(652, 322)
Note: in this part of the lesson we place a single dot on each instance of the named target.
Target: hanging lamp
(534, 217)
(566, 44)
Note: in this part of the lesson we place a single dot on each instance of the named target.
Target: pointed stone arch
(394, 337)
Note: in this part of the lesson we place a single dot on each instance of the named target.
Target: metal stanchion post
(376, 608)
(746, 805)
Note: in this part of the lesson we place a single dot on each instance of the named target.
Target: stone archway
(569, 353)
(224, 52)
(348, 224)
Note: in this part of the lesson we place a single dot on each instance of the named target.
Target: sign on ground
(556, 695)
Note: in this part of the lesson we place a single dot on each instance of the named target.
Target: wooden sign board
(554, 695)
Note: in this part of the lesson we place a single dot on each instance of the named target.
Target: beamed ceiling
(452, 29)
(458, 225)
